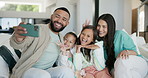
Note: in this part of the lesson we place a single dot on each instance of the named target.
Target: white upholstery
(4, 40)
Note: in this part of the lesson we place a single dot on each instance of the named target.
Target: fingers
(124, 54)
(78, 47)
(22, 23)
(91, 46)
(87, 22)
(59, 44)
(18, 30)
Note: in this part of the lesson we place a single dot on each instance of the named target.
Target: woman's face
(69, 41)
(102, 28)
(86, 37)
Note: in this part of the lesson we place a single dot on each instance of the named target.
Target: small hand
(87, 22)
(62, 46)
(78, 47)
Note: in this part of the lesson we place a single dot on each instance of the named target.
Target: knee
(43, 74)
(36, 73)
(121, 63)
(67, 72)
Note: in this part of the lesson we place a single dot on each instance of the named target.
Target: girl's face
(69, 41)
(86, 37)
(102, 28)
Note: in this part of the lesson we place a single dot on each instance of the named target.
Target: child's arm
(92, 46)
(98, 56)
(63, 57)
(64, 61)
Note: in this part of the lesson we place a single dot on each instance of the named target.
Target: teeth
(101, 32)
(58, 24)
(84, 40)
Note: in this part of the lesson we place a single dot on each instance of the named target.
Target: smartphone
(32, 30)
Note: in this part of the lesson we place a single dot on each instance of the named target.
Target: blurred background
(130, 15)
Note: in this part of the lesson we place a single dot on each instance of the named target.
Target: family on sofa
(118, 58)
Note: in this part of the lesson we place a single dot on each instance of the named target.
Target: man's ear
(51, 16)
(67, 22)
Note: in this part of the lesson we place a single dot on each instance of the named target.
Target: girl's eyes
(85, 34)
(65, 39)
(71, 42)
(88, 35)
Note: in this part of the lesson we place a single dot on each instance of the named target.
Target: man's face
(59, 20)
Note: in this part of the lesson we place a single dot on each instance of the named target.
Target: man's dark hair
(64, 9)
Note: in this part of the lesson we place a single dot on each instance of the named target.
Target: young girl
(89, 56)
(65, 57)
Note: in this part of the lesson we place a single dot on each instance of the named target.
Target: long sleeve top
(32, 49)
(97, 58)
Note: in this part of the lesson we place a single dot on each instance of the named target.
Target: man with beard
(40, 53)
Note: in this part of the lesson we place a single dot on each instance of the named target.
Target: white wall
(120, 9)
(146, 18)
(71, 7)
(127, 16)
(136, 3)
(15, 14)
(85, 10)
(42, 14)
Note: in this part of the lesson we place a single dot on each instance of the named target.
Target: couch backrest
(140, 40)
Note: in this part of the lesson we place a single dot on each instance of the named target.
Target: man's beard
(54, 29)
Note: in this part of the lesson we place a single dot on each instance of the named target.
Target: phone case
(32, 30)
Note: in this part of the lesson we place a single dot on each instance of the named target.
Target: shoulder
(43, 27)
(121, 33)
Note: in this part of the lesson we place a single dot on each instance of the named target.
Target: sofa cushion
(133, 36)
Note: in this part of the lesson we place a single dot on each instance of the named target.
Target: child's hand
(77, 74)
(78, 47)
(87, 22)
(62, 47)
(91, 46)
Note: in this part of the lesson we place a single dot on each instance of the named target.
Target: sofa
(140, 43)
(143, 49)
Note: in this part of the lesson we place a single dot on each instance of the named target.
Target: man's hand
(19, 30)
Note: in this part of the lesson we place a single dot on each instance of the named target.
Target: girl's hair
(71, 33)
(86, 51)
(109, 39)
